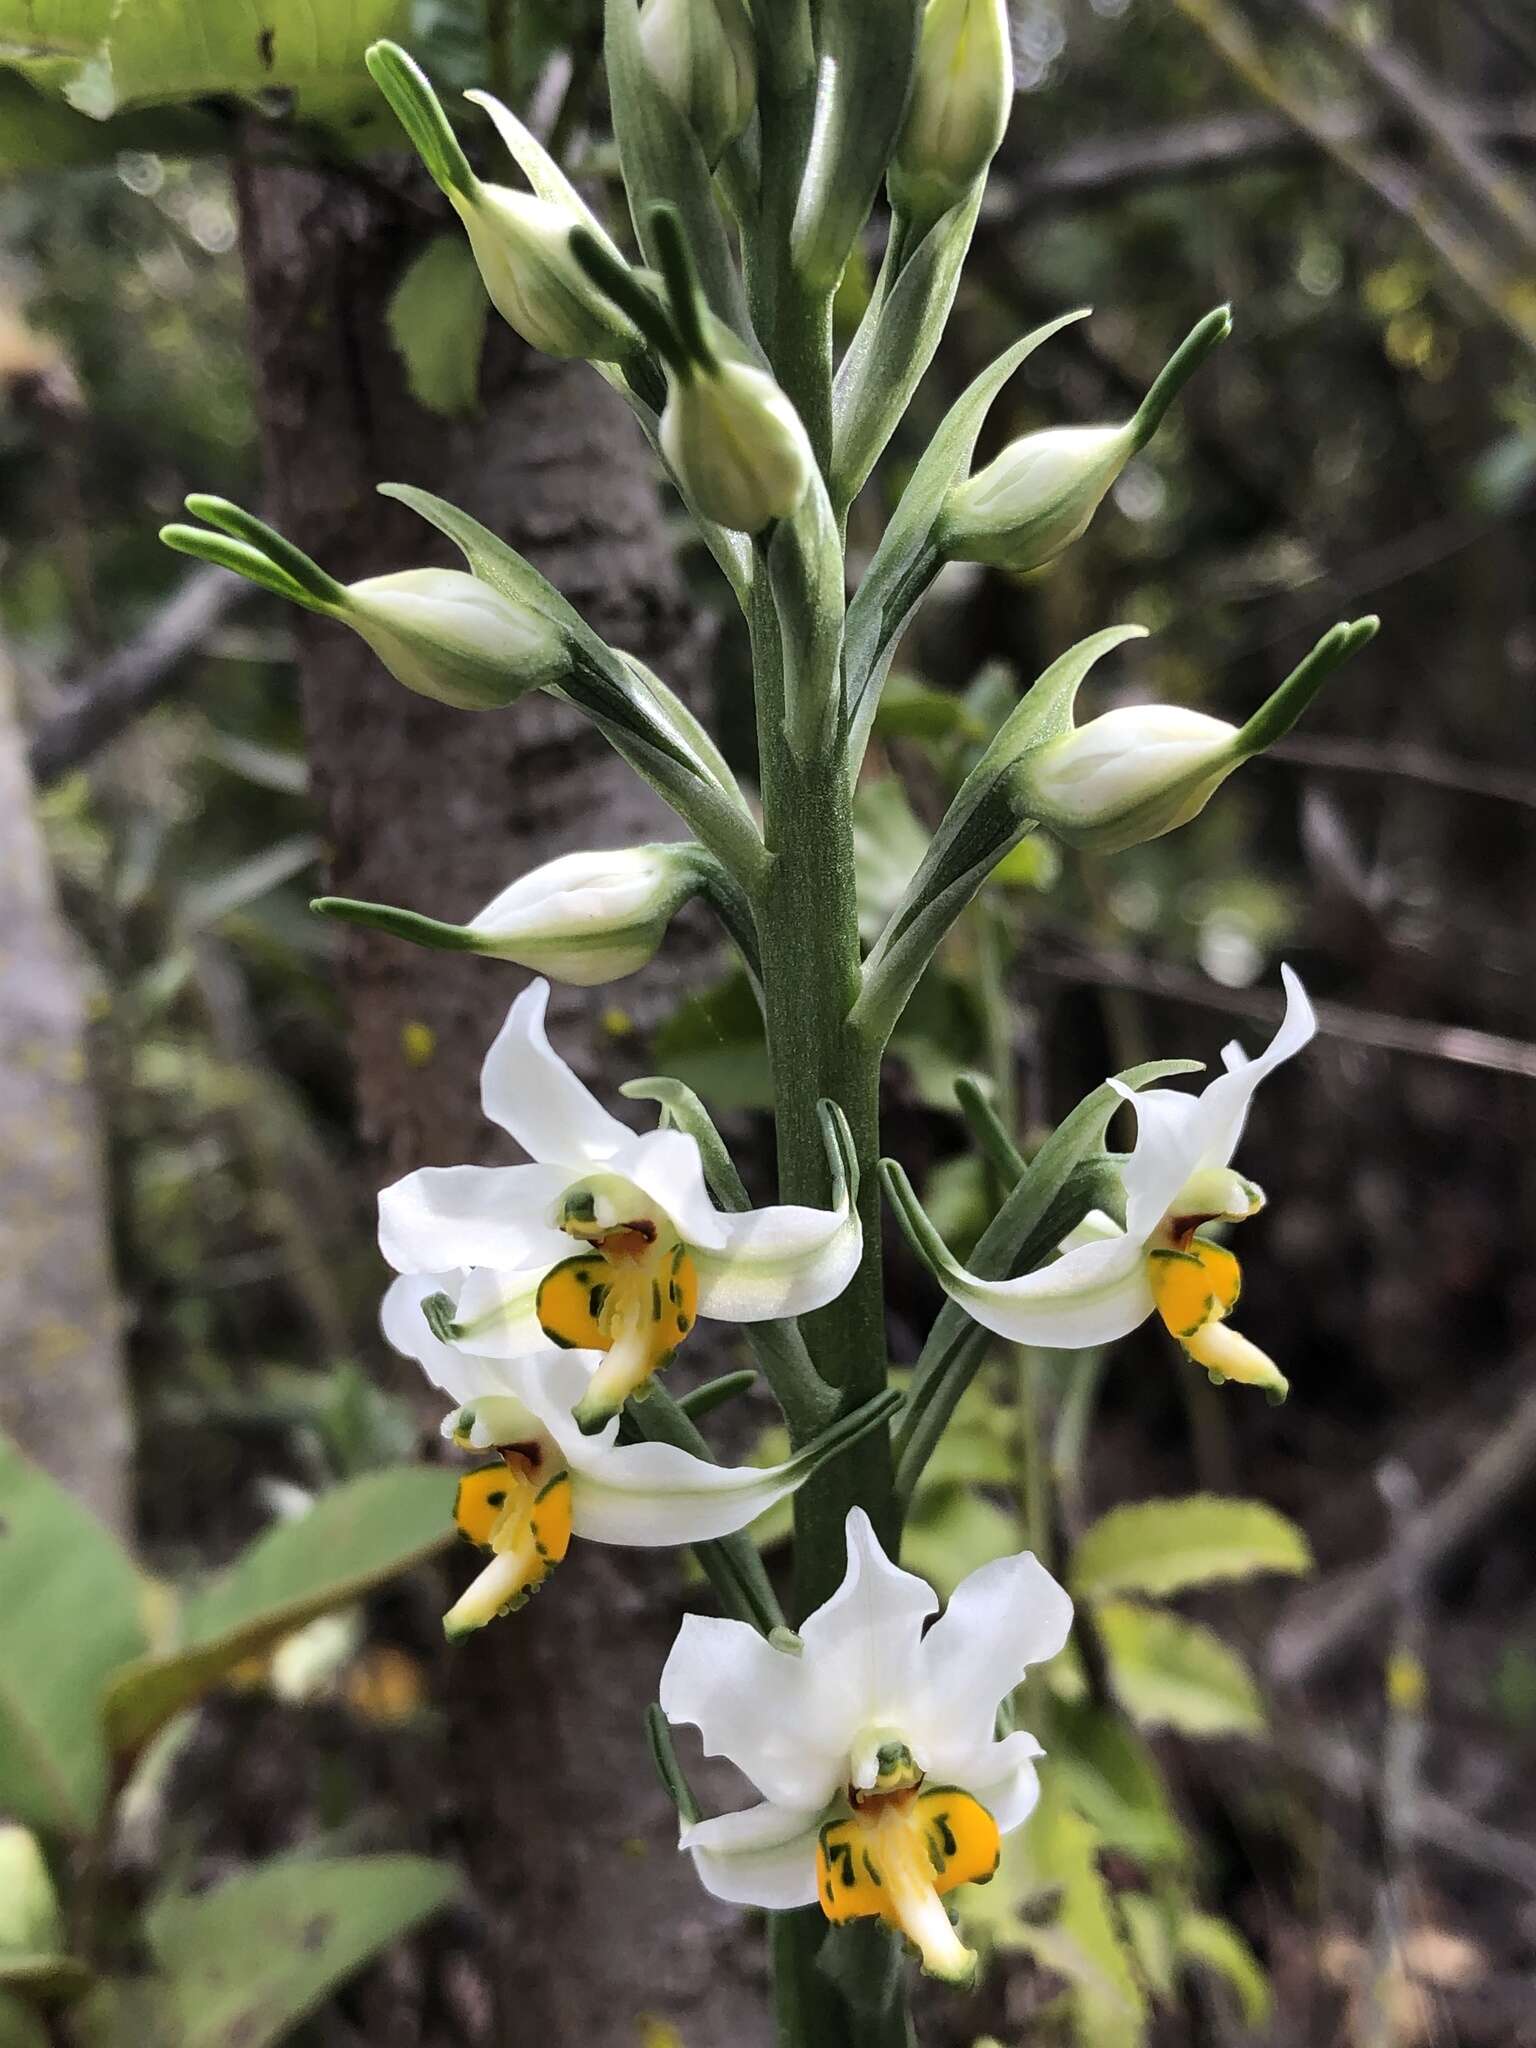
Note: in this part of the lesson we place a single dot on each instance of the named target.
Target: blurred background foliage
(1355, 178)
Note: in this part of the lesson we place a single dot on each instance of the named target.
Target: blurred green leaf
(356, 1537)
(1216, 1945)
(1111, 1778)
(954, 1533)
(20, 2024)
(889, 842)
(245, 1962)
(104, 56)
(914, 710)
(437, 322)
(716, 1044)
(70, 1601)
(1158, 1547)
(1173, 1673)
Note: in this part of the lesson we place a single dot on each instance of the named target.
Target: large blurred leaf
(69, 1613)
(1216, 1945)
(20, 2026)
(1110, 1777)
(245, 1962)
(1163, 1546)
(104, 55)
(437, 322)
(1172, 1673)
(715, 1042)
(360, 1534)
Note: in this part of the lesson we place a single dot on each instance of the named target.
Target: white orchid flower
(608, 1241)
(553, 1481)
(1179, 1177)
(873, 1745)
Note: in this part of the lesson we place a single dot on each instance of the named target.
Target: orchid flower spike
(550, 1481)
(1178, 1178)
(872, 1744)
(608, 1241)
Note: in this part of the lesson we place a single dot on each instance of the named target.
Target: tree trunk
(63, 1392)
(595, 1920)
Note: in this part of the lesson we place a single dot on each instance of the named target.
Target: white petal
(666, 1167)
(497, 1310)
(643, 1495)
(442, 1216)
(529, 1090)
(861, 1648)
(780, 1261)
(1226, 1101)
(1000, 1619)
(763, 1856)
(1092, 1294)
(462, 1375)
(756, 1705)
(1004, 1779)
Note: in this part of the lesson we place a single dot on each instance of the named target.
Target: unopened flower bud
(961, 94)
(448, 635)
(1034, 499)
(522, 244)
(737, 445)
(703, 55)
(1038, 496)
(1129, 775)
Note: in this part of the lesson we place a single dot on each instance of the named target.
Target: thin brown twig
(1406, 762)
(1456, 1043)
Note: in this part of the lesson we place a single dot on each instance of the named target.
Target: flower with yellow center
(607, 1241)
(1178, 1179)
(873, 1744)
(549, 1480)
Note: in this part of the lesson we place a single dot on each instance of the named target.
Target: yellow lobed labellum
(895, 1856)
(522, 1515)
(635, 1296)
(1195, 1285)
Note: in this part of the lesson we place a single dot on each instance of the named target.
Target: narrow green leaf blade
(359, 1535)
(70, 1612)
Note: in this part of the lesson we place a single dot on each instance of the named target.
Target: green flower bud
(1034, 499)
(1129, 775)
(585, 918)
(1038, 496)
(961, 94)
(447, 635)
(736, 445)
(522, 245)
(703, 55)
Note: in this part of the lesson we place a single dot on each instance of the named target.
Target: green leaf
(1216, 1945)
(1173, 1673)
(953, 1532)
(889, 841)
(450, 41)
(70, 1612)
(45, 1976)
(104, 55)
(1157, 1547)
(662, 163)
(896, 341)
(437, 322)
(40, 133)
(356, 1537)
(914, 710)
(245, 1962)
(1112, 1779)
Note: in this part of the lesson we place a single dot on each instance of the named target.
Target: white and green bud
(736, 444)
(703, 55)
(1130, 775)
(1039, 495)
(584, 918)
(447, 635)
(521, 241)
(522, 245)
(962, 91)
(1141, 770)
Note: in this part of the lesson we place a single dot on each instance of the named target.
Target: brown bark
(595, 1919)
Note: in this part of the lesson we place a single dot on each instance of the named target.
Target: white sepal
(703, 55)
(1035, 498)
(962, 91)
(1130, 775)
(587, 918)
(736, 445)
